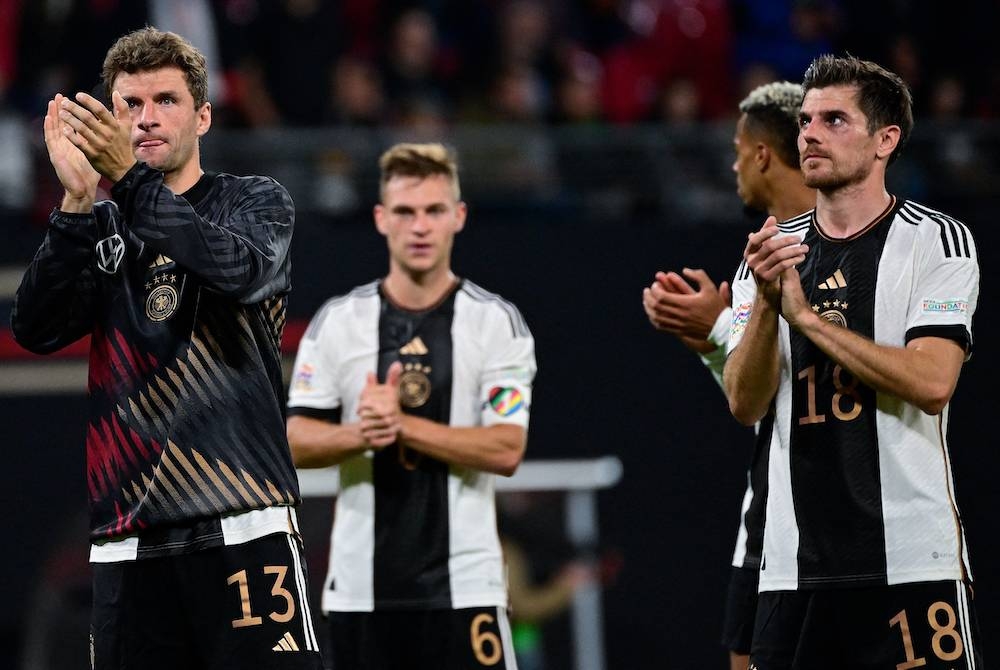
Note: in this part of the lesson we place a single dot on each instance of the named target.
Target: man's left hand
(794, 306)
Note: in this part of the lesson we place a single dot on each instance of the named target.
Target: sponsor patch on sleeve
(506, 400)
(303, 378)
(741, 316)
(953, 306)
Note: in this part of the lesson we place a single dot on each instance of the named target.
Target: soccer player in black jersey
(418, 386)
(768, 179)
(851, 324)
(180, 280)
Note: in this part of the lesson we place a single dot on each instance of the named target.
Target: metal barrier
(581, 479)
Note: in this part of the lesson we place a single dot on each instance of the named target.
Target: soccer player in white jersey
(768, 179)
(851, 324)
(418, 385)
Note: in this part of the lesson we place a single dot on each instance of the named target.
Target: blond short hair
(421, 161)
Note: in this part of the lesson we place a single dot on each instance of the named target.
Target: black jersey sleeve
(242, 253)
(53, 305)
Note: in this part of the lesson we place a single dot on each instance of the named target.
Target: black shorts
(741, 606)
(925, 625)
(463, 639)
(241, 606)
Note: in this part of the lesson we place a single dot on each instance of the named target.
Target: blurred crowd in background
(435, 65)
(371, 62)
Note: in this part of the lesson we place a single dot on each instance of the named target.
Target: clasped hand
(379, 410)
(773, 260)
(103, 137)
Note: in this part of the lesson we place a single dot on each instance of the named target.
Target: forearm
(751, 372)
(52, 306)
(319, 444)
(715, 358)
(497, 449)
(924, 373)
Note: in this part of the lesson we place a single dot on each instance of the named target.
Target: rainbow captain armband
(741, 316)
(506, 400)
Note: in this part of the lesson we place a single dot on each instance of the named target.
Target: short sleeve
(744, 289)
(508, 373)
(946, 288)
(314, 376)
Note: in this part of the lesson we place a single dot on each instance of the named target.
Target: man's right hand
(768, 255)
(77, 176)
(674, 306)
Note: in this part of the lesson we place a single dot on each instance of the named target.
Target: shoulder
(357, 301)
(946, 233)
(797, 224)
(252, 186)
(491, 306)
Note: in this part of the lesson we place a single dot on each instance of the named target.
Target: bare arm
(750, 378)
(317, 444)
(751, 373)
(924, 373)
(498, 448)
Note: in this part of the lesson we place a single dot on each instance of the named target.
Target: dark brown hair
(151, 49)
(883, 96)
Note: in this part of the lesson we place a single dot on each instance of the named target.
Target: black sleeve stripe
(328, 415)
(959, 233)
(908, 215)
(743, 271)
(956, 332)
(796, 223)
(518, 326)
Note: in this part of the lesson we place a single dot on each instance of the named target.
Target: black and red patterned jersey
(184, 298)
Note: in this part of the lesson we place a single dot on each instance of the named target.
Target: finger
(95, 107)
(395, 372)
(726, 293)
(676, 284)
(371, 379)
(700, 278)
(51, 125)
(120, 106)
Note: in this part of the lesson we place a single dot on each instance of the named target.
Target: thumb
(726, 293)
(119, 106)
(394, 373)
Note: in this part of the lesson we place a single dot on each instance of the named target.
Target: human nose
(146, 117)
(421, 223)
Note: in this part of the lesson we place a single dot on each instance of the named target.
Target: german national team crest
(110, 252)
(833, 311)
(161, 303)
(414, 385)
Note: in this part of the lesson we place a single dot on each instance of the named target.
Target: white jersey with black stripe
(411, 532)
(860, 487)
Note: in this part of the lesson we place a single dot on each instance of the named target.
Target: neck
(418, 291)
(180, 181)
(848, 210)
(791, 197)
